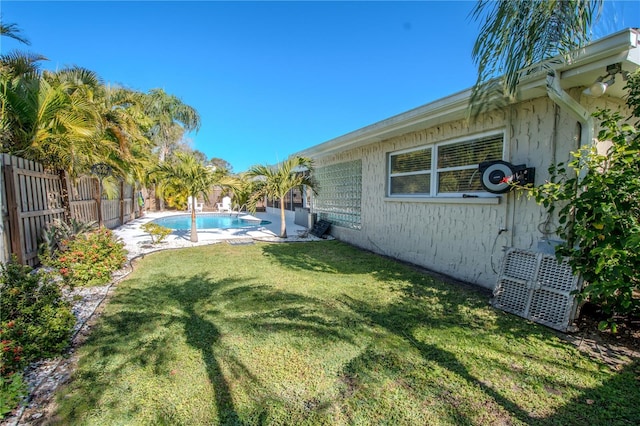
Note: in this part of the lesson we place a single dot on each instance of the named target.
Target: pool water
(207, 221)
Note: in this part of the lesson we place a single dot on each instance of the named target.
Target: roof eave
(585, 66)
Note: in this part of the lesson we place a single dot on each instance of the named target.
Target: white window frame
(421, 172)
(435, 171)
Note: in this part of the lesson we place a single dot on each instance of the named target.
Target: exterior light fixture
(600, 86)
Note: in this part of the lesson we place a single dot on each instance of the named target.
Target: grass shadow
(128, 335)
(396, 326)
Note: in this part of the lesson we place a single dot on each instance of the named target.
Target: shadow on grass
(616, 401)
(420, 303)
(203, 335)
(399, 320)
(138, 315)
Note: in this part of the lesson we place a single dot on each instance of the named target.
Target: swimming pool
(208, 221)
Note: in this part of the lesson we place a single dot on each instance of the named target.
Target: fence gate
(537, 287)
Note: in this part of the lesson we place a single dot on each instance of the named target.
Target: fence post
(14, 217)
(97, 195)
(65, 186)
(122, 202)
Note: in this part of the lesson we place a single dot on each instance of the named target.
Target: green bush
(599, 213)
(158, 233)
(89, 259)
(12, 390)
(57, 232)
(35, 321)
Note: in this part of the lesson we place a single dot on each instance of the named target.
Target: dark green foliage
(599, 213)
(89, 259)
(12, 389)
(35, 321)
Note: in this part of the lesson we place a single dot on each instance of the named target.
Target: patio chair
(199, 205)
(225, 205)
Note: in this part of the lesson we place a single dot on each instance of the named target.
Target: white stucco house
(410, 186)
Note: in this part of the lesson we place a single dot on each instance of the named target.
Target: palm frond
(518, 34)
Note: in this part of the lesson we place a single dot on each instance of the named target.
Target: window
(410, 172)
(444, 169)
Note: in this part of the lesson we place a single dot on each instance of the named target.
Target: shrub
(12, 390)
(158, 233)
(89, 259)
(599, 213)
(35, 321)
(56, 233)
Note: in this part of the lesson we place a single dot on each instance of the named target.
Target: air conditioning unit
(537, 287)
(499, 176)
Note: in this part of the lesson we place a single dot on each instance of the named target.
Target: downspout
(562, 98)
(566, 102)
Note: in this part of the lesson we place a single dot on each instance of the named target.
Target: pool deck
(139, 242)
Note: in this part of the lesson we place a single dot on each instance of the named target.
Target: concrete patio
(138, 241)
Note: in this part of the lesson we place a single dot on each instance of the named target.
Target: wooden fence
(33, 197)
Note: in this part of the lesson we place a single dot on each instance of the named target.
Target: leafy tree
(220, 163)
(201, 156)
(276, 182)
(518, 34)
(599, 213)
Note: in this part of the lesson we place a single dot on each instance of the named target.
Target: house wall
(461, 237)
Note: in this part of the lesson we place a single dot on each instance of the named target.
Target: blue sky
(270, 78)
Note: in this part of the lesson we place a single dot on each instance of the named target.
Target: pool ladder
(244, 206)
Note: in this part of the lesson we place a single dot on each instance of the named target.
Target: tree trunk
(283, 223)
(194, 229)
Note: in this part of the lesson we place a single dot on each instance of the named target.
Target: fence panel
(82, 202)
(33, 199)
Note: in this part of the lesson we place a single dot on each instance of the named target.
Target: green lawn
(322, 333)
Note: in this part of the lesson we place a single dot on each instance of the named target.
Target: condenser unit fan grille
(537, 287)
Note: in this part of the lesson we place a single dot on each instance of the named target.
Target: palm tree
(187, 176)
(276, 182)
(171, 118)
(44, 121)
(242, 191)
(14, 32)
(518, 34)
